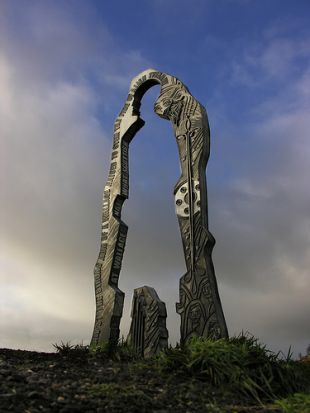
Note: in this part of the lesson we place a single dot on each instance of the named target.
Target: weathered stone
(199, 307)
(148, 333)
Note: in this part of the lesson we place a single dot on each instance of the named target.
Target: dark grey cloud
(55, 157)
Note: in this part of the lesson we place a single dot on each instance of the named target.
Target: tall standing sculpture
(199, 307)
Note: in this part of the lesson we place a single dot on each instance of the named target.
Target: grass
(68, 349)
(240, 367)
(295, 403)
(122, 352)
(240, 364)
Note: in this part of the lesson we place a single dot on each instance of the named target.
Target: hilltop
(235, 375)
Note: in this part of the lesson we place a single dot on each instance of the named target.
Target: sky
(65, 70)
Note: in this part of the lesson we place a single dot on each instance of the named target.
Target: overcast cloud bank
(63, 77)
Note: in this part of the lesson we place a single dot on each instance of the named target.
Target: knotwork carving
(199, 307)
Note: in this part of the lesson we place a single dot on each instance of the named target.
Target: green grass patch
(296, 403)
(239, 364)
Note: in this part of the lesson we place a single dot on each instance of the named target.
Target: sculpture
(199, 307)
(148, 334)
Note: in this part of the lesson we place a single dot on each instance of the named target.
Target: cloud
(63, 79)
(260, 214)
(55, 153)
(277, 56)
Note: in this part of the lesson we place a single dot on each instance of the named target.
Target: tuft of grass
(103, 348)
(68, 349)
(63, 348)
(121, 352)
(125, 352)
(173, 359)
(240, 364)
(296, 403)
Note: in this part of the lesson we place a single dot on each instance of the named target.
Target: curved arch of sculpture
(199, 307)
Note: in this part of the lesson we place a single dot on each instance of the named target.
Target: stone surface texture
(148, 333)
(199, 307)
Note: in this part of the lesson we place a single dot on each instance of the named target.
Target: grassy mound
(238, 371)
(240, 364)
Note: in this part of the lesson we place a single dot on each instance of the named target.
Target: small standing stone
(148, 333)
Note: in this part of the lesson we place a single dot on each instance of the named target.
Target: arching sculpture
(199, 307)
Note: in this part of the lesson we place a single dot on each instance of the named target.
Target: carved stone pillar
(200, 306)
(148, 333)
